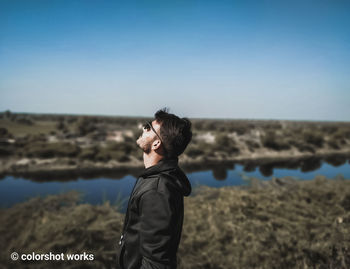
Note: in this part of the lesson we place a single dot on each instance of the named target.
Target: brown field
(282, 223)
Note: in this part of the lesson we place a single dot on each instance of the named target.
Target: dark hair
(175, 132)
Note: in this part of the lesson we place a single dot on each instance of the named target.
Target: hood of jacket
(170, 168)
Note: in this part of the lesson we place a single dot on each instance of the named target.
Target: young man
(154, 218)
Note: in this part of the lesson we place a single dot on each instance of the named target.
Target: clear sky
(215, 59)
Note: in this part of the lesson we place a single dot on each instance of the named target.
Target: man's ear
(156, 144)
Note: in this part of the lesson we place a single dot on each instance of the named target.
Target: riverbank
(282, 223)
(68, 169)
(64, 147)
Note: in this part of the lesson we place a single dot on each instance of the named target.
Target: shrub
(36, 138)
(60, 125)
(103, 155)
(25, 121)
(4, 133)
(120, 156)
(71, 119)
(85, 126)
(125, 147)
(333, 144)
(329, 129)
(225, 144)
(197, 125)
(313, 138)
(305, 147)
(51, 150)
(6, 151)
(88, 153)
(115, 151)
(270, 140)
(194, 151)
(252, 145)
(240, 129)
(210, 125)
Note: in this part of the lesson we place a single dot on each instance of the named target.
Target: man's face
(148, 140)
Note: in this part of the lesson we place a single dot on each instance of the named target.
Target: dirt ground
(282, 223)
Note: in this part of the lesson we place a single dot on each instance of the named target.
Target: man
(154, 218)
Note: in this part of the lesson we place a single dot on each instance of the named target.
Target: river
(100, 189)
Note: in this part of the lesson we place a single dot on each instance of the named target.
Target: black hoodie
(154, 218)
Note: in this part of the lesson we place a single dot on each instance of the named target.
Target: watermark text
(52, 256)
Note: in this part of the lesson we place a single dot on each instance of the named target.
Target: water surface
(100, 189)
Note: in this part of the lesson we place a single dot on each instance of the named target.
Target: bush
(225, 144)
(240, 129)
(333, 144)
(121, 146)
(194, 151)
(329, 129)
(103, 155)
(36, 138)
(51, 150)
(60, 125)
(4, 133)
(270, 140)
(305, 147)
(25, 121)
(120, 156)
(88, 153)
(197, 125)
(71, 119)
(313, 138)
(115, 151)
(6, 151)
(252, 145)
(85, 126)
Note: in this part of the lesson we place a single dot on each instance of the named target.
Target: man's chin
(138, 141)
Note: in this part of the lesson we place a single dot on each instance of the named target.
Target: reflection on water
(305, 164)
(101, 188)
(220, 173)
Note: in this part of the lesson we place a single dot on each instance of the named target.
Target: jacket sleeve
(155, 230)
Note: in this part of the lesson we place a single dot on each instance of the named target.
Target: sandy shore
(67, 168)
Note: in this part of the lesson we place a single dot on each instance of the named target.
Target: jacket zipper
(127, 213)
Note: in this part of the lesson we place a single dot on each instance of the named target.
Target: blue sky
(212, 59)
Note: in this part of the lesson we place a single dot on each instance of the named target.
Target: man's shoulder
(149, 183)
(160, 182)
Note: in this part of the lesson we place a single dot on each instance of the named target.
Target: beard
(144, 145)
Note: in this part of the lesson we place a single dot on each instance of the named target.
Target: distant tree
(225, 143)
(3, 132)
(7, 114)
(60, 125)
(313, 138)
(24, 121)
(272, 141)
(198, 125)
(72, 119)
(85, 126)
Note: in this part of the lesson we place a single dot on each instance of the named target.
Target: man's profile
(154, 217)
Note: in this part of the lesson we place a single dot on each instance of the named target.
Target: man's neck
(151, 159)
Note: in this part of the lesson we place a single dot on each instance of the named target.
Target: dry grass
(60, 225)
(278, 224)
(18, 129)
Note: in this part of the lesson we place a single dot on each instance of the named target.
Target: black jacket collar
(161, 166)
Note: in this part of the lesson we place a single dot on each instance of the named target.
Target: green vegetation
(102, 139)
